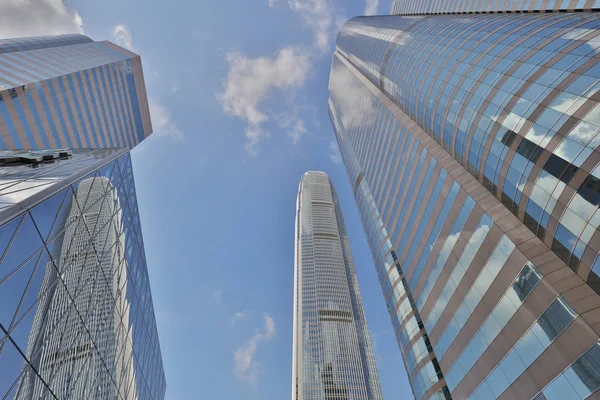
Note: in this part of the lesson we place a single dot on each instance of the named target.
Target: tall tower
(87, 261)
(470, 133)
(332, 353)
(76, 312)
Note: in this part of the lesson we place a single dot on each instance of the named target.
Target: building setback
(332, 353)
(471, 145)
(76, 313)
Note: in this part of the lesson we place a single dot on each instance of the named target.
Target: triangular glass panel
(11, 366)
(39, 288)
(107, 170)
(12, 289)
(129, 167)
(7, 232)
(116, 176)
(50, 212)
(128, 185)
(25, 242)
(68, 213)
(28, 326)
(123, 163)
(83, 191)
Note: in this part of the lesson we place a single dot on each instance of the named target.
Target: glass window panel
(25, 243)
(49, 213)
(11, 364)
(7, 232)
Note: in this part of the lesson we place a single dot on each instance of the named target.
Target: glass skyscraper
(68, 91)
(76, 312)
(470, 133)
(332, 353)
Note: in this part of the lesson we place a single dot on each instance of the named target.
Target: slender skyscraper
(76, 312)
(332, 354)
(470, 131)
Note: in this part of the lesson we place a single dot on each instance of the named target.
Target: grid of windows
(333, 355)
(417, 7)
(444, 249)
(526, 281)
(549, 326)
(578, 381)
(514, 99)
(414, 344)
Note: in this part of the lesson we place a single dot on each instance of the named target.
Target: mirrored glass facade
(471, 148)
(332, 354)
(76, 313)
(77, 319)
(69, 91)
(419, 7)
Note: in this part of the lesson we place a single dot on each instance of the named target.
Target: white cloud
(272, 3)
(246, 367)
(317, 15)
(353, 106)
(375, 344)
(251, 80)
(371, 7)
(297, 131)
(122, 37)
(218, 295)
(20, 18)
(334, 152)
(174, 87)
(240, 316)
(162, 123)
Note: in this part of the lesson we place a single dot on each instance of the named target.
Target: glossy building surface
(76, 312)
(471, 144)
(77, 319)
(71, 92)
(332, 353)
(417, 7)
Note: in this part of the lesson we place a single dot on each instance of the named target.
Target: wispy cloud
(344, 86)
(241, 316)
(245, 366)
(375, 343)
(20, 18)
(162, 122)
(298, 130)
(318, 16)
(334, 152)
(251, 80)
(272, 3)
(371, 7)
(122, 37)
(218, 295)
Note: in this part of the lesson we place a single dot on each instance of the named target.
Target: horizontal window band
(320, 235)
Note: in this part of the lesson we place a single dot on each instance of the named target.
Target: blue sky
(238, 93)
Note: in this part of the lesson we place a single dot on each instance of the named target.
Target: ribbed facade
(471, 144)
(332, 353)
(419, 7)
(70, 92)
